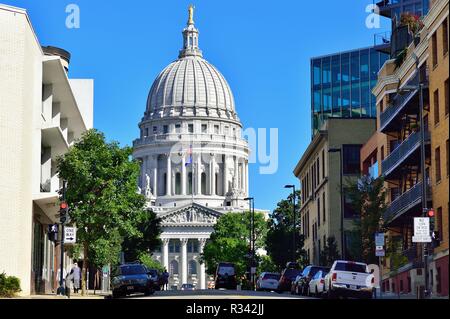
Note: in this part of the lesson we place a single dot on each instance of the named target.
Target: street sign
(70, 235)
(379, 239)
(253, 270)
(422, 230)
(380, 253)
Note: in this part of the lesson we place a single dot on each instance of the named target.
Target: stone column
(236, 172)
(155, 176)
(169, 176)
(184, 265)
(212, 178)
(165, 251)
(225, 175)
(199, 174)
(202, 243)
(246, 178)
(183, 175)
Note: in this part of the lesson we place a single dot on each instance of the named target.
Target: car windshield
(132, 270)
(291, 273)
(153, 272)
(226, 270)
(351, 267)
(271, 276)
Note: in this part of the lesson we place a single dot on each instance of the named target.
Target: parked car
(307, 274)
(294, 285)
(156, 278)
(130, 279)
(287, 277)
(188, 287)
(316, 284)
(349, 279)
(226, 276)
(267, 281)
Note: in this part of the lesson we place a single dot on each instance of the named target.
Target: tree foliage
(368, 196)
(280, 235)
(330, 253)
(102, 196)
(230, 241)
(146, 241)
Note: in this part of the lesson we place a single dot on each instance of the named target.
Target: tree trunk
(84, 271)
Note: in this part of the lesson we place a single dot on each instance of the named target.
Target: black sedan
(131, 279)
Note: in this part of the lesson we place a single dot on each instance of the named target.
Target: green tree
(368, 197)
(230, 242)
(281, 232)
(146, 241)
(102, 196)
(266, 265)
(330, 253)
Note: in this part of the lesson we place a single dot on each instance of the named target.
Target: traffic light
(431, 215)
(53, 232)
(63, 212)
(436, 240)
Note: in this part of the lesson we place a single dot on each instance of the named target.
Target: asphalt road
(217, 294)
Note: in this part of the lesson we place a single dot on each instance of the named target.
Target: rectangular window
(178, 128)
(437, 163)
(382, 153)
(216, 129)
(323, 164)
(227, 130)
(351, 159)
(436, 106)
(349, 209)
(445, 37)
(324, 208)
(155, 130)
(439, 223)
(434, 49)
(446, 97)
(166, 129)
(318, 211)
(318, 170)
(204, 128)
(446, 157)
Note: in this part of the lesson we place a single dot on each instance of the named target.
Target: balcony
(390, 119)
(406, 202)
(403, 154)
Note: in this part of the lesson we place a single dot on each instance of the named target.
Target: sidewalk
(90, 295)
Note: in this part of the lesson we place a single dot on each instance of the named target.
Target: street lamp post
(339, 150)
(294, 244)
(251, 201)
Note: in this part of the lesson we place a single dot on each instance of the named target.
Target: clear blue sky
(262, 47)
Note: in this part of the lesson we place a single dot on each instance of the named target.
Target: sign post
(422, 230)
(380, 252)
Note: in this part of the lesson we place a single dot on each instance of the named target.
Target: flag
(189, 160)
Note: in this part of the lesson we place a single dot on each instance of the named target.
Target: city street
(217, 294)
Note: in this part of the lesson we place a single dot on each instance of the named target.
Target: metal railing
(394, 108)
(402, 152)
(404, 202)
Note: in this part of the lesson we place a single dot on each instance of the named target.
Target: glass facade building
(342, 85)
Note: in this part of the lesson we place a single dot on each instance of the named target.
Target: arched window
(178, 184)
(192, 268)
(204, 183)
(174, 267)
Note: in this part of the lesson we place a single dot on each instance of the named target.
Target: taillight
(322, 281)
(373, 280)
(334, 277)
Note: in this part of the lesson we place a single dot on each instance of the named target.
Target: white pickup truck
(349, 279)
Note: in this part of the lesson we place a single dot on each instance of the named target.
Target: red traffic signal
(431, 213)
(63, 206)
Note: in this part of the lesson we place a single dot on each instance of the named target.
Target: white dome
(190, 85)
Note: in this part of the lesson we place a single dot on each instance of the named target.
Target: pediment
(191, 215)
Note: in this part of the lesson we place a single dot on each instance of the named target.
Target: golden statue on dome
(191, 14)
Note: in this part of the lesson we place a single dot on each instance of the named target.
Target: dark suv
(306, 276)
(287, 276)
(226, 276)
(132, 278)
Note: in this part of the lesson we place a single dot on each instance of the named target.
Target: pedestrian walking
(166, 276)
(76, 272)
(69, 284)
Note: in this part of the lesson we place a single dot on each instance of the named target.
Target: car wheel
(116, 294)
